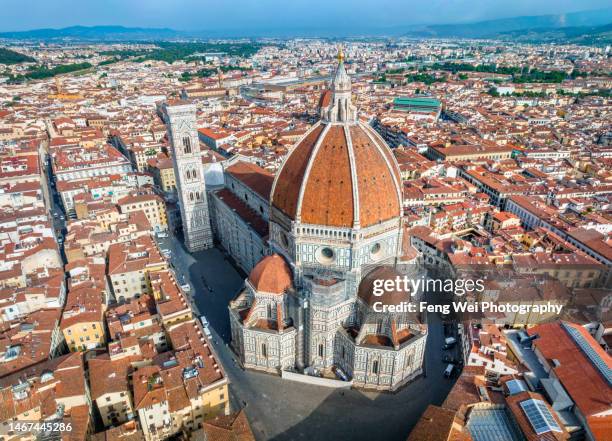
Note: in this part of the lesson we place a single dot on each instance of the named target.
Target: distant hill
(97, 33)
(501, 27)
(591, 35)
(8, 56)
(586, 27)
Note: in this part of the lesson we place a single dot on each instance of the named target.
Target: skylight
(539, 416)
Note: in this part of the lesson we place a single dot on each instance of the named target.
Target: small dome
(272, 275)
(393, 297)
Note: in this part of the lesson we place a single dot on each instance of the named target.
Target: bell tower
(189, 174)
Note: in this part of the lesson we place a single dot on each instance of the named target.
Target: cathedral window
(325, 255)
(191, 196)
(264, 350)
(186, 145)
(375, 367)
(321, 350)
(376, 251)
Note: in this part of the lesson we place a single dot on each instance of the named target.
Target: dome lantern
(341, 109)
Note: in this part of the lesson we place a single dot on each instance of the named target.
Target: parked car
(340, 373)
(448, 372)
(449, 342)
(186, 287)
(207, 332)
(204, 321)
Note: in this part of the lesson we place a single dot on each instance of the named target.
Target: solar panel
(589, 351)
(539, 416)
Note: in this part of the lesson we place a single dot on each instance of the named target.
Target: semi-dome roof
(271, 274)
(392, 297)
(340, 175)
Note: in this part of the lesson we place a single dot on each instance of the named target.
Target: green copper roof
(416, 102)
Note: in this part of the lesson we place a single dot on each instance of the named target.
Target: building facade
(187, 161)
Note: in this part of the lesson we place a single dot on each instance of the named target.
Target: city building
(83, 319)
(130, 265)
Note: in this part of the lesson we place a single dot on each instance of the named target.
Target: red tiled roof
(580, 378)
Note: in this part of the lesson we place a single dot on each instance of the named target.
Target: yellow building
(151, 204)
(83, 319)
(163, 174)
(188, 389)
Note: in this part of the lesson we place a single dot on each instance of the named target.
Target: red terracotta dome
(271, 274)
(339, 175)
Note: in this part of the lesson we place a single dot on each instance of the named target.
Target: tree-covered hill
(8, 56)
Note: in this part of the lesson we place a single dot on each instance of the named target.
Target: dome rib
(354, 179)
(389, 159)
(377, 189)
(330, 168)
(292, 171)
(309, 165)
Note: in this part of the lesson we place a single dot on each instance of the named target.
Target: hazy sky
(270, 14)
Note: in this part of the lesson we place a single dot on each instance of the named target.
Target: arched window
(375, 367)
(264, 350)
(186, 144)
(269, 310)
(321, 350)
(191, 196)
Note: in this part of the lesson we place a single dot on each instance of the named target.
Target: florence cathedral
(313, 240)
